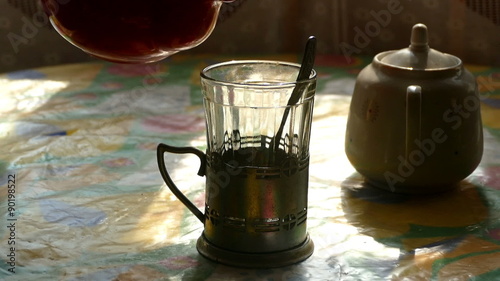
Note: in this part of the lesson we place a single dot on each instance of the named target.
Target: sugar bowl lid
(419, 56)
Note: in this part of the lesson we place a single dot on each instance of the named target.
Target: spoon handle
(304, 73)
(305, 69)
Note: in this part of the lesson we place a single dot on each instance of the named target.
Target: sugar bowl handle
(162, 148)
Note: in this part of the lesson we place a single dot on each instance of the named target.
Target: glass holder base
(255, 260)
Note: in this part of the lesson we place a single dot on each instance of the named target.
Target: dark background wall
(469, 29)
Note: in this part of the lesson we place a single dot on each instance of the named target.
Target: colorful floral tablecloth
(81, 197)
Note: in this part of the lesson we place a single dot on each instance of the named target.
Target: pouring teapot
(414, 124)
(129, 31)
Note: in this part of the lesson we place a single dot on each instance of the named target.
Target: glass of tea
(131, 31)
(256, 192)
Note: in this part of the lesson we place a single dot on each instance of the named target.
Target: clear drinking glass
(256, 169)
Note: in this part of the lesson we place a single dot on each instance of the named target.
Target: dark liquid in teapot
(132, 30)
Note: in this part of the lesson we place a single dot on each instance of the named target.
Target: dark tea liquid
(133, 30)
(249, 199)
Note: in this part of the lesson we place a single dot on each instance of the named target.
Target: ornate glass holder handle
(162, 148)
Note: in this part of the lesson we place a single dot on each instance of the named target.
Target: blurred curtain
(469, 29)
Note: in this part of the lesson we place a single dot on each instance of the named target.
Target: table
(78, 171)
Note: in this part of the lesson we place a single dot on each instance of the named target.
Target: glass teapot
(133, 31)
